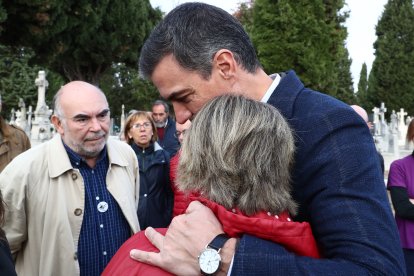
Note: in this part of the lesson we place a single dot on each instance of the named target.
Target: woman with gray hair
(231, 152)
(237, 158)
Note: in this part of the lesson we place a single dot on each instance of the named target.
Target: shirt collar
(76, 159)
(276, 79)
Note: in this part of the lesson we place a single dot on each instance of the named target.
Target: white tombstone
(376, 121)
(29, 118)
(41, 126)
(394, 122)
(12, 116)
(21, 120)
(123, 118)
(402, 128)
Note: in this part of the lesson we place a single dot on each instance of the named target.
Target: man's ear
(57, 123)
(225, 63)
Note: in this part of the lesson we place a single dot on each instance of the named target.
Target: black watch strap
(218, 242)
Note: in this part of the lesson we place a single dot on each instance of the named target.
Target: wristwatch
(209, 259)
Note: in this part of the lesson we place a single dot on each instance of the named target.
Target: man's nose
(182, 114)
(95, 124)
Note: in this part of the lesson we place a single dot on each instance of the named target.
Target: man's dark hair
(193, 33)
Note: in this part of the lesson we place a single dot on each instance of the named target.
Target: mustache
(96, 136)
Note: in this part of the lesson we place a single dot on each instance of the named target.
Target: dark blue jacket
(169, 142)
(155, 194)
(340, 191)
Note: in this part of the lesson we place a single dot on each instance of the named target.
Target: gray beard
(159, 125)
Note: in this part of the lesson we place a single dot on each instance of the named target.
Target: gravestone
(21, 120)
(402, 128)
(41, 125)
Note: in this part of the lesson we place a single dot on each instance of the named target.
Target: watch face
(209, 261)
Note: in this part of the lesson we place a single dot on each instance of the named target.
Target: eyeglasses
(146, 125)
(84, 120)
(178, 133)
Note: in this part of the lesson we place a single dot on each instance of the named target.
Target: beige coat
(13, 145)
(45, 198)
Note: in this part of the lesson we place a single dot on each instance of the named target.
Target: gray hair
(161, 102)
(238, 153)
(194, 33)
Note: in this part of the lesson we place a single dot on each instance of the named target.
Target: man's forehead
(158, 109)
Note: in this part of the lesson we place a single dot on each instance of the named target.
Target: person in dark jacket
(165, 127)
(155, 196)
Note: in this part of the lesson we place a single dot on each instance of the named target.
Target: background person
(199, 51)
(401, 187)
(72, 201)
(155, 198)
(165, 127)
(364, 115)
(13, 141)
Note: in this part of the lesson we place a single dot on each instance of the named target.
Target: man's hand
(187, 235)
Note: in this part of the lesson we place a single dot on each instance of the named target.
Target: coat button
(75, 256)
(74, 176)
(78, 212)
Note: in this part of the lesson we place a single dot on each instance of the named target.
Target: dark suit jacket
(169, 142)
(340, 191)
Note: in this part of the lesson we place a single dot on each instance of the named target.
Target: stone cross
(375, 120)
(382, 111)
(42, 84)
(394, 122)
(123, 119)
(401, 116)
(12, 117)
(29, 118)
(408, 120)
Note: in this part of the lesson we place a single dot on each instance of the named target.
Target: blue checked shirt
(104, 227)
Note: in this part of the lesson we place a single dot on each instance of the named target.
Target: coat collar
(59, 162)
(285, 93)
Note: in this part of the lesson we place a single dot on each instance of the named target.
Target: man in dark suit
(199, 51)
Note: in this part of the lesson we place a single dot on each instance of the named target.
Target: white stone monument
(12, 116)
(123, 118)
(21, 120)
(41, 126)
(402, 128)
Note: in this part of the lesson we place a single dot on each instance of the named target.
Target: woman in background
(155, 195)
(401, 187)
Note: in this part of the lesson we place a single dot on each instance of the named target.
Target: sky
(363, 17)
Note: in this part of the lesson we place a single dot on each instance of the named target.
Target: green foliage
(80, 39)
(3, 14)
(17, 79)
(307, 36)
(362, 93)
(392, 76)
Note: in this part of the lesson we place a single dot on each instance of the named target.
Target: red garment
(181, 199)
(294, 236)
(160, 132)
(121, 263)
